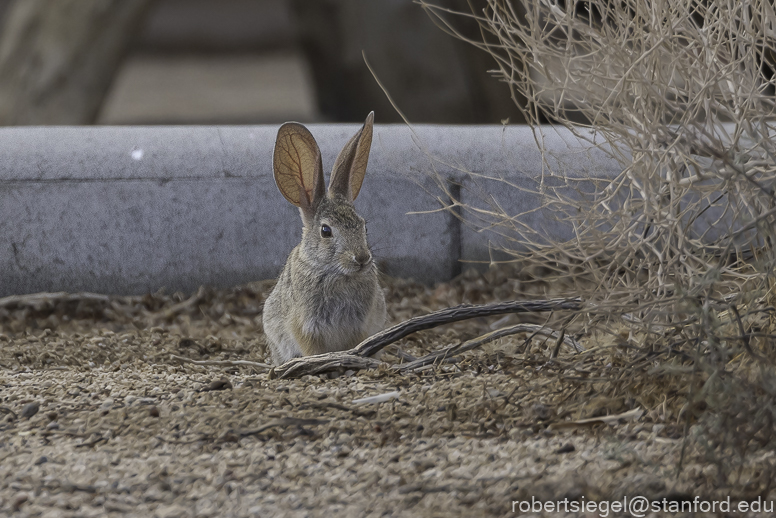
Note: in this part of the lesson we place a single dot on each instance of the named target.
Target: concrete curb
(133, 209)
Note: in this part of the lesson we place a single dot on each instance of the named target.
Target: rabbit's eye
(325, 231)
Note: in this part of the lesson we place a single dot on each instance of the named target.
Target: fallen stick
(454, 350)
(60, 296)
(407, 357)
(337, 406)
(236, 435)
(10, 412)
(375, 343)
(283, 421)
(223, 363)
(359, 356)
(321, 363)
(93, 442)
(380, 398)
(180, 306)
(64, 296)
(631, 415)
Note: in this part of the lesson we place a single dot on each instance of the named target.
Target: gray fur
(327, 297)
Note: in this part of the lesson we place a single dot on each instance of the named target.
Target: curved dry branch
(222, 363)
(462, 312)
(322, 363)
(457, 349)
(42, 298)
(358, 357)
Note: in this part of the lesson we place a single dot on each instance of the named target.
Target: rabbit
(327, 297)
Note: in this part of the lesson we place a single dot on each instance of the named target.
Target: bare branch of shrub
(675, 254)
(42, 298)
(453, 350)
(359, 357)
(223, 363)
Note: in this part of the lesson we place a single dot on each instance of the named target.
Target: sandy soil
(98, 419)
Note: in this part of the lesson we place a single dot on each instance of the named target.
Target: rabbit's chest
(335, 312)
(336, 323)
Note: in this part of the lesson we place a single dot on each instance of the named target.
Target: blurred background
(240, 62)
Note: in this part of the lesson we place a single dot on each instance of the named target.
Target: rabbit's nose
(362, 258)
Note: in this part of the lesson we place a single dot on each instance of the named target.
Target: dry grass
(676, 253)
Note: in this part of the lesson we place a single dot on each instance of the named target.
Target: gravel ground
(98, 419)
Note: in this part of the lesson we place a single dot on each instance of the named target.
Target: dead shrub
(674, 255)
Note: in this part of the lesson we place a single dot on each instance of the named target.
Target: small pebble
(566, 448)
(229, 436)
(41, 460)
(221, 384)
(30, 409)
(153, 411)
(19, 501)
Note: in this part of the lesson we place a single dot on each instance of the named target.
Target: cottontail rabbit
(327, 297)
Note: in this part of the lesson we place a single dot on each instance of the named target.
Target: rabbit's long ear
(350, 167)
(298, 168)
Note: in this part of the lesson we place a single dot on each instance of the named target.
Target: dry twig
(284, 421)
(223, 363)
(444, 354)
(358, 357)
(10, 412)
(181, 307)
(375, 343)
(41, 298)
